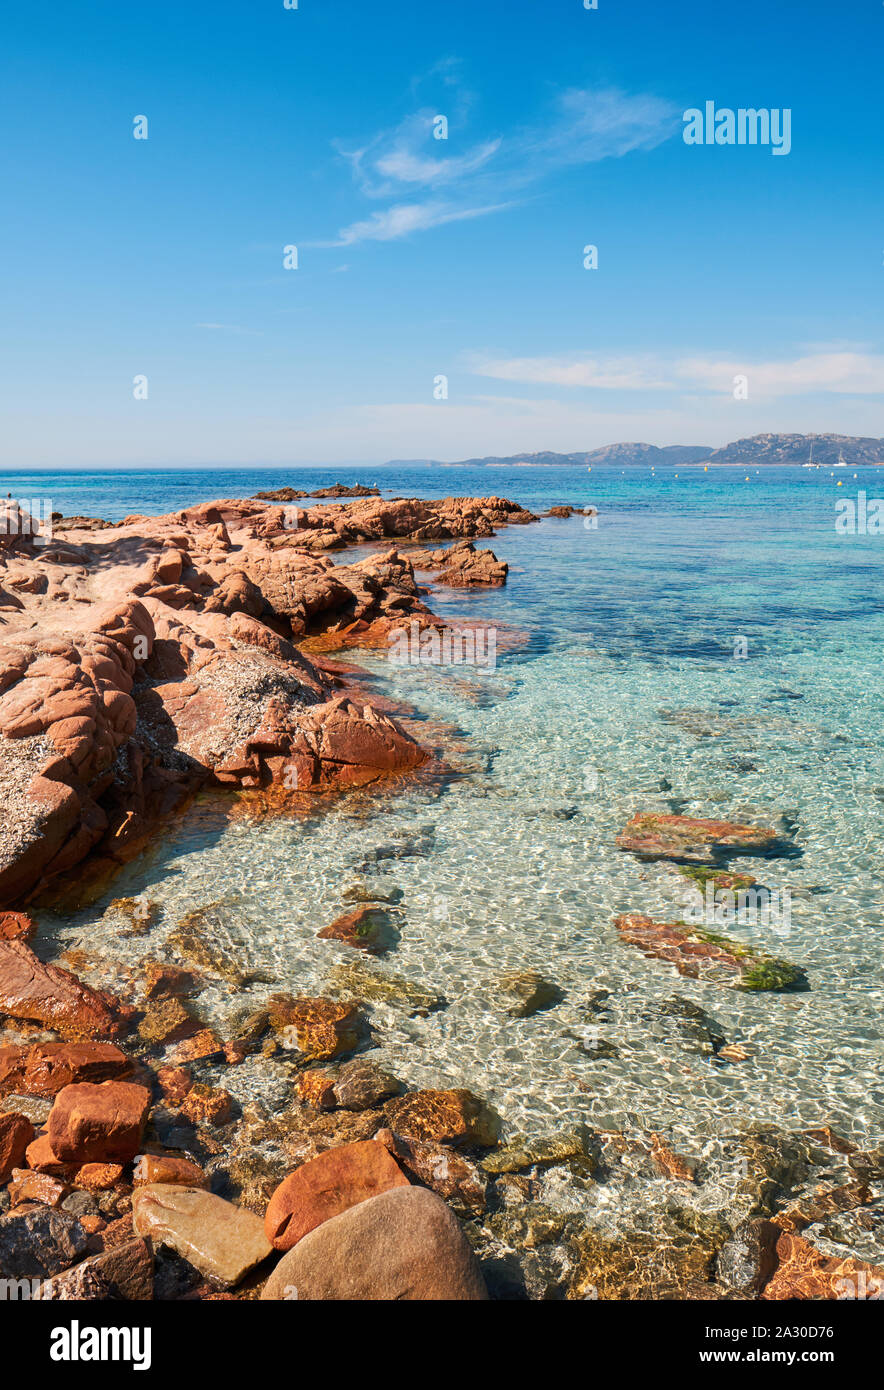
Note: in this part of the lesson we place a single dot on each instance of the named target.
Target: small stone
(444, 1117)
(361, 1084)
(28, 1186)
(16, 926)
(401, 1246)
(219, 1239)
(326, 1186)
(669, 1163)
(166, 1021)
(174, 1083)
(529, 992)
(202, 1047)
(163, 981)
(207, 1105)
(99, 1177)
(317, 1088)
(317, 1028)
(166, 1168)
(101, 1123)
(367, 928)
(16, 1133)
(39, 1242)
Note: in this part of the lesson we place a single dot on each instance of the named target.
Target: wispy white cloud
(840, 373)
(398, 221)
(582, 126)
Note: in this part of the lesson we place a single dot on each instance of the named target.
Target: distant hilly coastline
(767, 450)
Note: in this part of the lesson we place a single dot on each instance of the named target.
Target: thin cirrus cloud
(582, 127)
(841, 373)
(404, 218)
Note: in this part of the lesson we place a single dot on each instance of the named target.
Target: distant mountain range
(768, 450)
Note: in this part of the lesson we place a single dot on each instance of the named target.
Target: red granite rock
(44, 1069)
(101, 1123)
(16, 1133)
(327, 1185)
(53, 997)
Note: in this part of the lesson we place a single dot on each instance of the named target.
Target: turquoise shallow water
(627, 695)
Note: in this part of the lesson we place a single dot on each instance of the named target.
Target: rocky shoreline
(145, 661)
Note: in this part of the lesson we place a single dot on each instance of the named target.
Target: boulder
(52, 997)
(224, 1242)
(367, 928)
(327, 1185)
(401, 1246)
(101, 1123)
(804, 1272)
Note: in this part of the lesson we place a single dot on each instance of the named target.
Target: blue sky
(420, 257)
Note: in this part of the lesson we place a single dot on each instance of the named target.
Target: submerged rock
(804, 1272)
(444, 1117)
(219, 1239)
(523, 1151)
(377, 987)
(528, 992)
(318, 1029)
(369, 929)
(455, 1178)
(402, 1246)
(652, 835)
(203, 938)
(705, 955)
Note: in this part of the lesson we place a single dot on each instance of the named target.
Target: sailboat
(811, 463)
(842, 462)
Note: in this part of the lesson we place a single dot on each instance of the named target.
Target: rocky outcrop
(461, 566)
(443, 1117)
(402, 1246)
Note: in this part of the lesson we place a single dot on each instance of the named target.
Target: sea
(701, 642)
